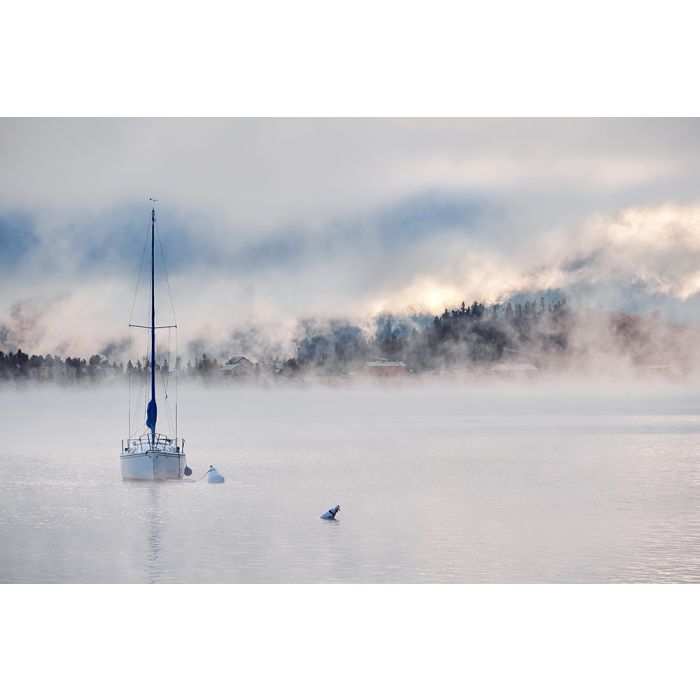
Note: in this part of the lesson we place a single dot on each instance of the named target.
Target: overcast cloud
(265, 222)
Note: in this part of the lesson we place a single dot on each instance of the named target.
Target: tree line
(468, 334)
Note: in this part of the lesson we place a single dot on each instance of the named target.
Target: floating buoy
(188, 471)
(214, 477)
(330, 513)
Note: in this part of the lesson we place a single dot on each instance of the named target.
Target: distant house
(238, 366)
(514, 369)
(380, 367)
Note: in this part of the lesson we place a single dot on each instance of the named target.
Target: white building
(238, 366)
(381, 367)
(514, 369)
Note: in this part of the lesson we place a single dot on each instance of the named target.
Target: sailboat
(151, 455)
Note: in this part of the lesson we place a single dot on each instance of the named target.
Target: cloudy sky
(266, 222)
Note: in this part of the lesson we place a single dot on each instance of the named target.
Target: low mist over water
(436, 483)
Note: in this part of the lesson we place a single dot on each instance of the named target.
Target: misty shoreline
(468, 383)
(525, 343)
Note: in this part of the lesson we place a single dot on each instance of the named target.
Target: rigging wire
(166, 383)
(165, 270)
(128, 371)
(138, 281)
(137, 427)
(142, 393)
(172, 308)
(131, 317)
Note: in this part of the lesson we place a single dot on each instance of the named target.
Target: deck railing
(145, 443)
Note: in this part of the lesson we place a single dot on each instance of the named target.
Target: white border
(353, 59)
(388, 641)
(379, 58)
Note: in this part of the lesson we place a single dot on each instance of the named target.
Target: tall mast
(152, 411)
(153, 316)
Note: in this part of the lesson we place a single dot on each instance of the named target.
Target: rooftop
(514, 367)
(381, 362)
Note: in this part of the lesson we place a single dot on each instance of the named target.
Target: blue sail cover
(151, 414)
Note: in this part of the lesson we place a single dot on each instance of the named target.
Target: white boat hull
(153, 465)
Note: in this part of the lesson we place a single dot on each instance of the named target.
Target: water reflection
(148, 518)
(154, 519)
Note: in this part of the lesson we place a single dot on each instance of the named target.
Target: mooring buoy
(214, 477)
(330, 513)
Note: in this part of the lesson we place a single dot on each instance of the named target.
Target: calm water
(435, 485)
